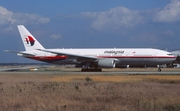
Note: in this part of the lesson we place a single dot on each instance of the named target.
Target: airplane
(92, 59)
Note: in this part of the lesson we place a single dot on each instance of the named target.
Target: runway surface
(94, 73)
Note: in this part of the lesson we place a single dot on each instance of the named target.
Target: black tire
(91, 70)
(159, 70)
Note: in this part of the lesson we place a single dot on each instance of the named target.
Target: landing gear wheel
(159, 69)
(91, 70)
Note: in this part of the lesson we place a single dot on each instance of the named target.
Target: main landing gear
(91, 70)
(159, 68)
(89, 67)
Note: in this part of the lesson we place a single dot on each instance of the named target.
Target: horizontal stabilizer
(18, 52)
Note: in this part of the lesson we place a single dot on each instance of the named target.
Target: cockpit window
(169, 54)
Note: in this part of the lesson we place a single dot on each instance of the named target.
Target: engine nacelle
(106, 63)
(122, 66)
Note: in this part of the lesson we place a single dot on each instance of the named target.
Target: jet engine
(106, 63)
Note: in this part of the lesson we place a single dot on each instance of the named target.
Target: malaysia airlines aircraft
(92, 59)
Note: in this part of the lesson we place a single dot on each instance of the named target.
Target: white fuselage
(125, 56)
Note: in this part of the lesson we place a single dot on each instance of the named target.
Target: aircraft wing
(18, 52)
(77, 56)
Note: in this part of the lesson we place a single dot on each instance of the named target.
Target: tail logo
(30, 40)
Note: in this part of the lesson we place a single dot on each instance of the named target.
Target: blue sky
(90, 24)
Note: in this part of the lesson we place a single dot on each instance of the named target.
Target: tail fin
(29, 41)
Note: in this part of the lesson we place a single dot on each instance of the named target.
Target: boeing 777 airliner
(92, 59)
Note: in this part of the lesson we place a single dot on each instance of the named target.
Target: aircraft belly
(144, 61)
(66, 61)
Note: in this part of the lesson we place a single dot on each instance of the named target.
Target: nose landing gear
(159, 68)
